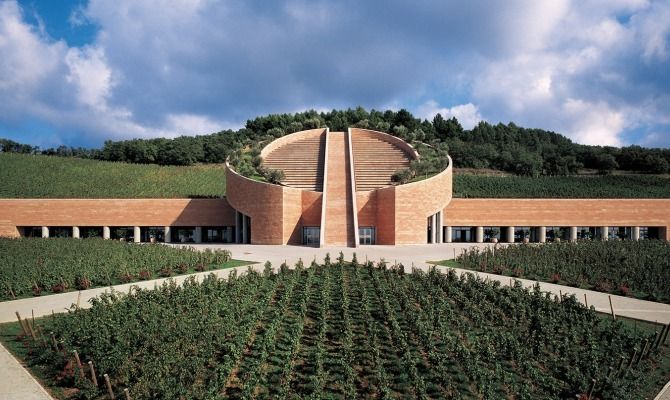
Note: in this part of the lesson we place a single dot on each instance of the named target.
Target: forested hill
(503, 147)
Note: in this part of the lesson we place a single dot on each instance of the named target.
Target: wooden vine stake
(666, 333)
(109, 387)
(586, 302)
(622, 359)
(661, 336)
(32, 331)
(22, 323)
(126, 392)
(630, 364)
(644, 350)
(612, 307)
(93, 378)
(54, 342)
(79, 366)
(593, 386)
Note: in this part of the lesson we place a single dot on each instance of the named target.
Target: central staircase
(338, 195)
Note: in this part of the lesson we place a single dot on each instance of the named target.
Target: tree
(606, 163)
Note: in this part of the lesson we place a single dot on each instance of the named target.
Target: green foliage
(590, 187)
(44, 266)
(638, 268)
(351, 332)
(36, 176)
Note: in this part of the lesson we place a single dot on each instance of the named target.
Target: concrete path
(16, 382)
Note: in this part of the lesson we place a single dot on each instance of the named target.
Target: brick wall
(558, 212)
(113, 212)
(277, 212)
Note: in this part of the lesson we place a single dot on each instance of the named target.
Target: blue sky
(78, 72)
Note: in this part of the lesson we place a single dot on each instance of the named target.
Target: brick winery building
(337, 191)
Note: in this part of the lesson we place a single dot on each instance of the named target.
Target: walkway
(16, 382)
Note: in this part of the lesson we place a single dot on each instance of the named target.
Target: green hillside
(569, 187)
(37, 176)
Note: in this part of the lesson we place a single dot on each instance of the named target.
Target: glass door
(366, 235)
(311, 235)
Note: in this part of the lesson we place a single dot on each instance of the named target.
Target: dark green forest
(505, 147)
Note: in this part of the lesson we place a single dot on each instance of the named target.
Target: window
(218, 234)
(87, 232)
(521, 233)
(462, 234)
(183, 234)
(586, 232)
(31, 231)
(152, 234)
(644, 232)
(557, 232)
(60, 231)
(122, 233)
(311, 235)
(366, 235)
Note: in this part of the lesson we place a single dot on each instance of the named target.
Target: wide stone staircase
(338, 195)
(375, 161)
(302, 162)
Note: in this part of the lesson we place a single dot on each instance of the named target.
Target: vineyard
(33, 267)
(588, 187)
(343, 331)
(629, 268)
(34, 176)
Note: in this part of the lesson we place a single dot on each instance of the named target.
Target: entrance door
(310, 235)
(366, 235)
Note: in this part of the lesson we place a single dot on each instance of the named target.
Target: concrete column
(510, 234)
(636, 233)
(542, 234)
(45, 232)
(75, 232)
(573, 233)
(604, 232)
(433, 228)
(167, 234)
(448, 234)
(106, 234)
(244, 229)
(438, 228)
(136, 234)
(198, 234)
(237, 227)
(479, 235)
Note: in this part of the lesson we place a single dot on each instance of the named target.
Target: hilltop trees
(505, 147)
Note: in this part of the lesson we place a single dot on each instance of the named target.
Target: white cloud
(90, 75)
(467, 114)
(190, 124)
(594, 124)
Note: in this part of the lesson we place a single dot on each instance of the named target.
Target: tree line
(505, 147)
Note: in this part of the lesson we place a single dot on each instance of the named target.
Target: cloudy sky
(78, 72)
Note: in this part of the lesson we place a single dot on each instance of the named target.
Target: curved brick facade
(398, 214)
